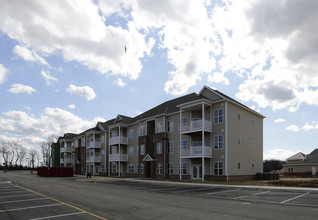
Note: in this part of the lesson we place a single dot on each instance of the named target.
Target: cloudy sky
(63, 64)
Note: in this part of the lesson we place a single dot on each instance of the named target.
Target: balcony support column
(108, 152)
(119, 152)
(180, 128)
(203, 144)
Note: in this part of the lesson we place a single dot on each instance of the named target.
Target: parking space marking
(16, 196)
(30, 207)
(287, 200)
(60, 202)
(255, 194)
(224, 191)
(57, 216)
(16, 191)
(193, 190)
(23, 200)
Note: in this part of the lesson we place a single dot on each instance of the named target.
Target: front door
(196, 171)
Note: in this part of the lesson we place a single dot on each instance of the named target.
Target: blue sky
(63, 66)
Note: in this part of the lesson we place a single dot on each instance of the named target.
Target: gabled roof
(69, 136)
(298, 156)
(311, 158)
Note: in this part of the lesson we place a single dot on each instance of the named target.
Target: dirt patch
(296, 182)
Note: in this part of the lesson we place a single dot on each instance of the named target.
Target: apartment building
(197, 136)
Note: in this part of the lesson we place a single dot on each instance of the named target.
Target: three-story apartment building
(197, 136)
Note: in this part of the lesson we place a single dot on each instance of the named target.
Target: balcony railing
(66, 160)
(96, 159)
(118, 140)
(194, 152)
(95, 144)
(116, 157)
(197, 125)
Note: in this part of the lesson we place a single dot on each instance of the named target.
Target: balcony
(117, 157)
(197, 152)
(118, 140)
(197, 126)
(96, 159)
(93, 144)
(66, 160)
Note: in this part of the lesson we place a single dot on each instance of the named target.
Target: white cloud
(52, 121)
(28, 55)
(71, 106)
(279, 120)
(308, 126)
(77, 31)
(20, 88)
(3, 73)
(292, 128)
(120, 82)
(278, 154)
(47, 76)
(84, 91)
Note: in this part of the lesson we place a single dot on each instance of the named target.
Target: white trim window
(141, 131)
(159, 148)
(131, 168)
(114, 167)
(238, 140)
(196, 143)
(218, 168)
(184, 121)
(141, 168)
(253, 144)
(218, 116)
(170, 126)
(290, 169)
(131, 150)
(159, 168)
(184, 144)
(142, 149)
(183, 168)
(159, 126)
(238, 165)
(131, 133)
(170, 168)
(218, 142)
(170, 147)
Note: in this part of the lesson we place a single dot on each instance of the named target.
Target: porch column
(203, 144)
(108, 152)
(119, 152)
(94, 153)
(180, 128)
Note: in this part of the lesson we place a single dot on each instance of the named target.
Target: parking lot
(20, 203)
(27, 196)
(278, 195)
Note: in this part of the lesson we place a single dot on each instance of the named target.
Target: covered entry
(149, 166)
(196, 171)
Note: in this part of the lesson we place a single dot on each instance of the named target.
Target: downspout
(226, 145)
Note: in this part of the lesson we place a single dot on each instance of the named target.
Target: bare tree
(33, 154)
(46, 149)
(23, 154)
(17, 151)
(6, 153)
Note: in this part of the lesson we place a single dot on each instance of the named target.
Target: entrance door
(313, 170)
(196, 171)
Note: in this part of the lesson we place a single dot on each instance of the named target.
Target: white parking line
(294, 198)
(193, 190)
(224, 191)
(23, 200)
(255, 194)
(57, 216)
(30, 207)
(12, 192)
(17, 195)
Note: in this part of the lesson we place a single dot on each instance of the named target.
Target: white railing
(94, 144)
(197, 152)
(197, 125)
(116, 157)
(65, 160)
(96, 159)
(118, 140)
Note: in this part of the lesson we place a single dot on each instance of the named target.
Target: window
(253, 166)
(131, 150)
(183, 168)
(103, 168)
(170, 168)
(170, 147)
(158, 126)
(159, 168)
(113, 133)
(218, 116)
(290, 169)
(131, 168)
(141, 130)
(183, 144)
(239, 116)
(170, 126)
(218, 168)
(196, 143)
(238, 140)
(114, 167)
(103, 139)
(183, 122)
(253, 143)
(131, 133)
(253, 121)
(238, 165)
(142, 149)
(141, 168)
(159, 148)
(218, 142)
